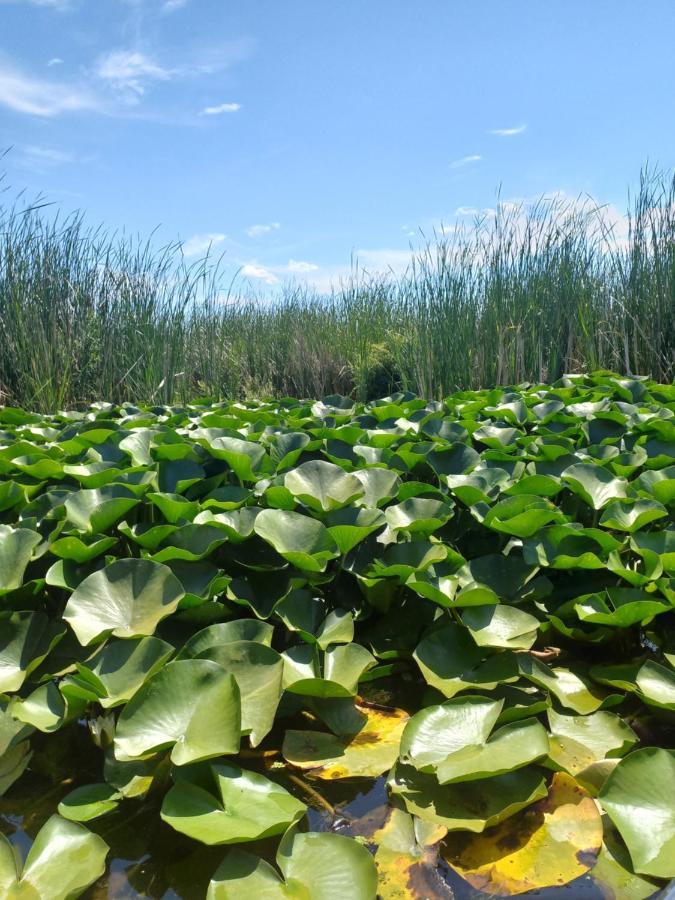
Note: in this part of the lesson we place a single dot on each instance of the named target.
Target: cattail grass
(525, 293)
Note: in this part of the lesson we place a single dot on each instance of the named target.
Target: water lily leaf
(226, 632)
(95, 510)
(480, 486)
(343, 666)
(89, 802)
(245, 458)
(404, 560)
(146, 534)
(366, 754)
(613, 872)
(128, 598)
(61, 875)
(619, 607)
(322, 866)
(351, 525)
(594, 484)
(501, 626)
(521, 516)
(657, 685)
(445, 657)
(174, 507)
(406, 867)
(48, 707)
(470, 805)
(118, 670)
(546, 845)
(258, 670)
(418, 515)
(13, 763)
(71, 547)
(223, 804)
(510, 747)
(323, 486)
(436, 732)
(190, 542)
(456, 459)
(577, 742)
(631, 515)
(573, 691)
(570, 547)
(304, 542)
(26, 638)
(639, 797)
(16, 549)
(163, 713)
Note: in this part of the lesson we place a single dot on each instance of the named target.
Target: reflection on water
(149, 859)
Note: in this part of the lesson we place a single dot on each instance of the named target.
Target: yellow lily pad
(551, 843)
(407, 860)
(366, 754)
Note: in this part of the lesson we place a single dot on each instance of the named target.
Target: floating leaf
(16, 549)
(639, 797)
(163, 713)
(89, 802)
(302, 541)
(316, 867)
(128, 598)
(366, 754)
(223, 804)
(546, 845)
(63, 861)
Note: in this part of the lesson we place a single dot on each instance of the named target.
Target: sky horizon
(294, 139)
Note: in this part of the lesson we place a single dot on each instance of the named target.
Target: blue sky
(294, 135)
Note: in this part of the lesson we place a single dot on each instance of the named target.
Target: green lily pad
(128, 598)
(224, 804)
(163, 713)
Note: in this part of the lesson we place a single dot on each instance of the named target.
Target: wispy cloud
(299, 265)
(42, 159)
(55, 61)
(465, 161)
(130, 71)
(172, 5)
(259, 273)
(201, 244)
(39, 97)
(259, 230)
(508, 132)
(222, 108)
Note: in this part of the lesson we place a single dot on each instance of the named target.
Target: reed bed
(524, 294)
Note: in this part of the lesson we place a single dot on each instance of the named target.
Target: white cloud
(39, 97)
(201, 244)
(222, 108)
(298, 265)
(172, 5)
(465, 161)
(55, 61)
(260, 273)
(130, 70)
(258, 230)
(508, 132)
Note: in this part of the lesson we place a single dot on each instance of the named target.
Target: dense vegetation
(527, 294)
(223, 623)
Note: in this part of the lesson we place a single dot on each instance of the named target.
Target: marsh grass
(524, 294)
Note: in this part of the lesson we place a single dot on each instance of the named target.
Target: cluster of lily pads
(239, 603)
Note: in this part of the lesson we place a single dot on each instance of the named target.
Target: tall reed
(525, 293)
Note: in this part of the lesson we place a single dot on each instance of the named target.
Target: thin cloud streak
(220, 109)
(508, 132)
(465, 161)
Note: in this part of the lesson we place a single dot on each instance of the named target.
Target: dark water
(149, 859)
